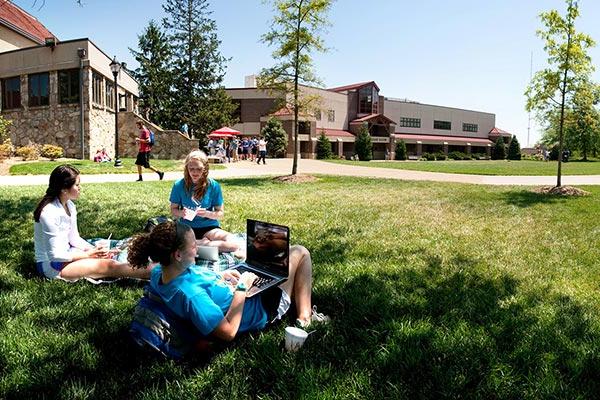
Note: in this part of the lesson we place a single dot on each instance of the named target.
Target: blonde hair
(200, 187)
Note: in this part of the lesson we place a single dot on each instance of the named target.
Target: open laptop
(267, 255)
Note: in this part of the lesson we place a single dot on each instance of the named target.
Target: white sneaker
(314, 317)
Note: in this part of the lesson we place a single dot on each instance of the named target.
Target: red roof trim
(443, 138)
(498, 131)
(334, 132)
(22, 22)
(370, 117)
(353, 86)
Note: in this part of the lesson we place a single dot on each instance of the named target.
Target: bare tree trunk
(296, 73)
(562, 106)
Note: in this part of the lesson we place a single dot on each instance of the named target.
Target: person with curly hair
(60, 253)
(216, 302)
(198, 201)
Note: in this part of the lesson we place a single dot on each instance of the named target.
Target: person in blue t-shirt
(198, 201)
(215, 302)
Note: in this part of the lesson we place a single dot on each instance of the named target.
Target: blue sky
(462, 53)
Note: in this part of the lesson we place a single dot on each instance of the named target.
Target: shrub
(400, 150)
(323, 147)
(428, 156)
(440, 156)
(554, 153)
(458, 155)
(6, 149)
(4, 124)
(477, 156)
(276, 138)
(499, 150)
(363, 145)
(514, 149)
(52, 152)
(31, 152)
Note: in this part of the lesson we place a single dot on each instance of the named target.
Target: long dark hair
(62, 177)
(158, 245)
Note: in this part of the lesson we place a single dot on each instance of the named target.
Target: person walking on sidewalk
(262, 150)
(143, 156)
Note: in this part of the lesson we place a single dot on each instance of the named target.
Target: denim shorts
(50, 269)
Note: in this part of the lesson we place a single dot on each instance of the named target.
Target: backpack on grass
(157, 328)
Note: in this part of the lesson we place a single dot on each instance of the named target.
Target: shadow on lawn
(526, 198)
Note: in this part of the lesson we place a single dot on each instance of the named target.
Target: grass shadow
(526, 198)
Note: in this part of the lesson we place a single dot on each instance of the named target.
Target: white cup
(103, 244)
(294, 338)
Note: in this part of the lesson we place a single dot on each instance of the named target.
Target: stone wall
(170, 144)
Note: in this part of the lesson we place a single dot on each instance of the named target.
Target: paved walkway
(278, 167)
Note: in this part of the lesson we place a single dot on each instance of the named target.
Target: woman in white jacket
(60, 253)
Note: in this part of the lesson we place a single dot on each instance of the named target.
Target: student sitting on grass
(60, 253)
(198, 200)
(214, 302)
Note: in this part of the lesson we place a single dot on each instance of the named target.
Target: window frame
(97, 88)
(70, 97)
(470, 127)
(442, 125)
(409, 122)
(330, 115)
(38, 100)
(5, 97)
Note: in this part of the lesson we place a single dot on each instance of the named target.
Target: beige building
(63, 93)
(341, 112)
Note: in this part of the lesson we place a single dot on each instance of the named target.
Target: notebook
(267, 255)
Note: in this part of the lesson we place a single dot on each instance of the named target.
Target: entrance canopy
(225, 131)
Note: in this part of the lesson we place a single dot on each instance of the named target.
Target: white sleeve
(58, 249)
(74, 239)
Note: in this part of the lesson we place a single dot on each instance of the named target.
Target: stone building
(63, 93)
(341, 112)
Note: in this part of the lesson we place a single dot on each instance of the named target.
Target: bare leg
(102, 268)
(139, 168)
(299, 283)
(224, 240)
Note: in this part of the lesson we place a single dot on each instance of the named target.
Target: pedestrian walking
(143, 156)
(262, 150)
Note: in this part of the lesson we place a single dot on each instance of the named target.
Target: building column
(340, 148)
(392, 149)
(469, 148)
(445, 147)
(488, 150)
(419, 148)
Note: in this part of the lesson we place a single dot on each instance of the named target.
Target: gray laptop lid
(268, 247)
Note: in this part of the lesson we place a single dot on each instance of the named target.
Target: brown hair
(200, 187)
(62, 177)
(158, 245)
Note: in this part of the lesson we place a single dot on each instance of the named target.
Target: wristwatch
(241, 287)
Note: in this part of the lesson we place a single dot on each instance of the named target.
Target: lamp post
(115, 67)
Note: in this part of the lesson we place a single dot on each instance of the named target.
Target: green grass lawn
(486, 167)
(436, 291)
(90, 167)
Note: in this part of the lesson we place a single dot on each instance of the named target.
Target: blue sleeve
(176, 191)
(204, 313)
(217, 195)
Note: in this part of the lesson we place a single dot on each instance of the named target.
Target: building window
(410, 122)
(303, 128)
(470, 127)
(39, 89)
(68, 86)
(11, 93)
(368, 100)
(318, 115)
(446, 125)
(110, 95)
(331, 115)
(97, 88)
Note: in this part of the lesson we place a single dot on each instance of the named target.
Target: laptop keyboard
(260, 281)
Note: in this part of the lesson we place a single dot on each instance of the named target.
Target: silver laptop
(267, 255)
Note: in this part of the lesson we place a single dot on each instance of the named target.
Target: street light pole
(115, 67)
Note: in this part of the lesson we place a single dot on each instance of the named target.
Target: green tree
(295, 32)
(153, 75)
(276, 138)
(583, 129)
(514, 149)
(401, 150)
(363, 144)
(323, 147)
(568, 65)
(499, 150)
(197, 67)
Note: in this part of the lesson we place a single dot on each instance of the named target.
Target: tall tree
(295, 32)
(276, 138)
(323, 147)
(363, 144)
(514, 149)
(153, 75)
(499, 149)
(584, 129)
(568, 66)
(197, 68)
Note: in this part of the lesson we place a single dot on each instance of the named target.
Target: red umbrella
(225, 130)
(218, 135)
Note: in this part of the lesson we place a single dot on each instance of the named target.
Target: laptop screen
(268, 246)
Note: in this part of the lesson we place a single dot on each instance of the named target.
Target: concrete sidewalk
(276, 167)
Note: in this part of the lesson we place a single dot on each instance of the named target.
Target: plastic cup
(103, 244)
(294, 338)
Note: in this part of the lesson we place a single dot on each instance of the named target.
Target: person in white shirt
(262, 150)
(60, 253)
